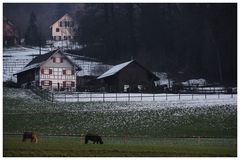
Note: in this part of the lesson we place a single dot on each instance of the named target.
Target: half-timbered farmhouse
(64, 28)
(128, 77)
(53, 70)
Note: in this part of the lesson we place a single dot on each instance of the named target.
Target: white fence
(104, 97)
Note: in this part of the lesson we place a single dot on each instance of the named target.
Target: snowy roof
(114, 69)
(28, 68)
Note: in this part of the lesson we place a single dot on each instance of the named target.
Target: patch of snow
(65, 44)
(9, 78)
(195, 82)
(29, 67)
(25, 94)
(163, 79)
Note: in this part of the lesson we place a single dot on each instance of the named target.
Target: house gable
(64, 17)
(57, 60)
(45, 58)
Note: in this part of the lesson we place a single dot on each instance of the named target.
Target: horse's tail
(34, 137)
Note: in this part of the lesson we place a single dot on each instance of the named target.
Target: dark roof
(59, 17)
(41, 58)
(36, 62)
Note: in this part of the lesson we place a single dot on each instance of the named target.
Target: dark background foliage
(185, 40)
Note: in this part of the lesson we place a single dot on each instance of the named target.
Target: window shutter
(54, 59)
(61, 59)
(50, 83)
(42, 71)
(42, 83)
(64, 72)
(73, 72)
(64, 84)
(50, 71)
(73, 84)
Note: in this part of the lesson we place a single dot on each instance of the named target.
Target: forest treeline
(186, 40)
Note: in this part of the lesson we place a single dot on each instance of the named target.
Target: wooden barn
(53, 70)
(128, 77)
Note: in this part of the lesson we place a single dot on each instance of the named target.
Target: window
(57, 29)
(61, 24)
(46, 83)
(46, 71)
(65, 23)
(65, 37)
(126, 88)
(57, 59)
(68, 72)
(68, 84)
(140, 87)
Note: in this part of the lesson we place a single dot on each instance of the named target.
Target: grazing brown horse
(92, 137)
(30, 135)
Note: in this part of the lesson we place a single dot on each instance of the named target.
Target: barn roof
(115, 69)
(37, 61)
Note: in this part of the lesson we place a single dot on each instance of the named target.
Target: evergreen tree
(32, 36)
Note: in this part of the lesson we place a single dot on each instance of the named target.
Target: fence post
(90, 96)
(65, 97)
(128, 96)
(218, 95)
(179, 96)
(205, 96)
(78, 97)
(141, 96)
(116, 96)
(125, 139)
(192, 96)
(103, 97)
(153, 97)
(232, 95)
(52, 96)
(166, 96)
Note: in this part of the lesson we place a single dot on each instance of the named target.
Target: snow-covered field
(172, 118)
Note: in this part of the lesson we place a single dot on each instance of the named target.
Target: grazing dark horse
(95, 138)
(30, 135)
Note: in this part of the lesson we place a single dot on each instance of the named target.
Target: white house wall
(63, 31)
(57, 77)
